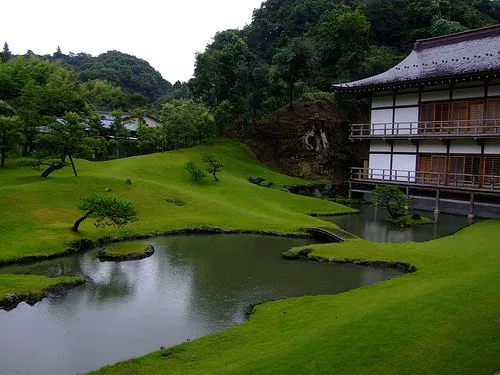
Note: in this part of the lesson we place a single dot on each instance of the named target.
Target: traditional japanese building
(435, 120)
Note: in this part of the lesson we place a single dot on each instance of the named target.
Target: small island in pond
(124, 251)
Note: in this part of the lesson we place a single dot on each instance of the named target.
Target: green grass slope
(442, 319)
(37, 212)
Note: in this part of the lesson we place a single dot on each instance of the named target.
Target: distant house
(130, 122)
(435, 120)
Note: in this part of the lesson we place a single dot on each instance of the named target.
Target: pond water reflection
(191, 286)
(370, 224)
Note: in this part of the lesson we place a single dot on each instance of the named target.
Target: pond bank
(305, 253)
(419, 321)
(32, 289)
(83, 245)
(190, 287)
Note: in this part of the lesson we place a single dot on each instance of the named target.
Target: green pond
(190, 287)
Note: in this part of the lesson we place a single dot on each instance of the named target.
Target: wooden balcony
(455, 129)
(450, 181)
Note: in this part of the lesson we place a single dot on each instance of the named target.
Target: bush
(391, 198)
(196, 172)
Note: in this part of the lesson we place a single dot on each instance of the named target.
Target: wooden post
(471, 214)
(436, 209)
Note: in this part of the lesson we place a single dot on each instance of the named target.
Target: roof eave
(485, 75)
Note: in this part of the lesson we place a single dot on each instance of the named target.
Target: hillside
(310, 141)
(38, 212)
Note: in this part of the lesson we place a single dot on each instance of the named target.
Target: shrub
(196, 172)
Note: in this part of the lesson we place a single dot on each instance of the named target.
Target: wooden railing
(428, 129)
(437, 179)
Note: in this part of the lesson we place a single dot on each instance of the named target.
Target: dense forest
(292, 49)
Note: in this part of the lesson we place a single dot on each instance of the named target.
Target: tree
(292, 63)
(6, 54)
(118, 130)
(392, 199)
(195, 171)
(106, 210)
(186, 123)
(212, 165)
(10, 136)
(60, 139)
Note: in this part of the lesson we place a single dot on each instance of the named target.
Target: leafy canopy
(107, 210)
(392, 199)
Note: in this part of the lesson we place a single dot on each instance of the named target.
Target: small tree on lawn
(195, 171)
(392, 199)
(106, 210)
(212, 165)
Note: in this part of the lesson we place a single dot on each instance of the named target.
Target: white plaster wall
(404, 163)
(383, 120)
(379, 165)
(464, 147)
(379, 146)
(435, 95)
(475, 92)
(407, 99)
(404, 146)
(381, 101)
(406, 120)
(494, 90)
(432, 147)
(492, 147)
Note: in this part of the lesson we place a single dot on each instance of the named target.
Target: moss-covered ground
(126, 251)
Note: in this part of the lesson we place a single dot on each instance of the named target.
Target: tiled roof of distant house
(466, 55)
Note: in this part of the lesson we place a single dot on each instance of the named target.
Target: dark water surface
(191, 286)
(370, 224)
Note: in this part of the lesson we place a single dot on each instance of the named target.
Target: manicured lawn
(126, 251)
(37, 212)
(24, 285)
(438, 320)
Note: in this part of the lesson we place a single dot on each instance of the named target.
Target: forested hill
(293, 47)
(112, 80)
(120, 69)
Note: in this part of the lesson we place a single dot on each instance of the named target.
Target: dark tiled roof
(465, 54)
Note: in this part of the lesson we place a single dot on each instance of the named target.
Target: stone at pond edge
(104, 256)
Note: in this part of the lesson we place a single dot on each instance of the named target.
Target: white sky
(166, 33)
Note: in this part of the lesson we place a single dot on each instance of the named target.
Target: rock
(11, 300)
(174, 202)
(256, 180)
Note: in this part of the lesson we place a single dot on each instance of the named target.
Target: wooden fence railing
(428, 129)
(437, 179)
